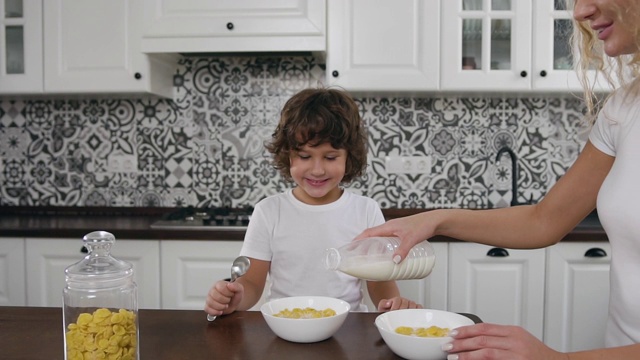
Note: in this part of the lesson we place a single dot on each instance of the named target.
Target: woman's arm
(622, 352)
(526, 226)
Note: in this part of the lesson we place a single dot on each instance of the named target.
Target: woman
(605, 174)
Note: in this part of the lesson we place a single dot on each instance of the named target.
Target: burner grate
(215, 218)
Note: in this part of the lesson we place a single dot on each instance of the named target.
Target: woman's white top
(617, 133)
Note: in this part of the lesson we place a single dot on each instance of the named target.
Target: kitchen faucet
(514, 172)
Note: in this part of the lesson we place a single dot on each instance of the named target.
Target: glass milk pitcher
(372, 259)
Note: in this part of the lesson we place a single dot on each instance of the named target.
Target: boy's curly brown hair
(318, 116)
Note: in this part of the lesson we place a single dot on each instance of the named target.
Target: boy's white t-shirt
(293, 236)
(617, 133)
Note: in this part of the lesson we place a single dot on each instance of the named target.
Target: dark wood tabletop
(37, 333)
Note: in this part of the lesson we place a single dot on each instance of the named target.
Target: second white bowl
(414, 347)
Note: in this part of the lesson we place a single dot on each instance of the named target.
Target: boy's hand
(397, 303)
(223, 298)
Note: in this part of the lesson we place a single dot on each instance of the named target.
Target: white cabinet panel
(232, 26)
(190, 268)
(21, 48)
(430, 292)
(383, 44)
(503, 289)
(498, 61)
(506, 45)
(577, 295)
(47, 259)
(95, 47)
(12, 272)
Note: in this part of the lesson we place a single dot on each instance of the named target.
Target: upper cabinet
(94, 46)
(234, 26)
(83, 47)
(383, 45)
(503, 45)
(20, 46)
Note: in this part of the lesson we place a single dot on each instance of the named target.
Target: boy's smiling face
(318, 171)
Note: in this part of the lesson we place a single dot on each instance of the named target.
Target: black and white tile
(205, 147)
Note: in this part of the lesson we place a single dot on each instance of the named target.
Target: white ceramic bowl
(305, 330)
(414, 347)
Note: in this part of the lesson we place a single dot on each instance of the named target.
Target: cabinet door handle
(543, 73)
(84, 250)
(498, 252)
(230, 25)
(335, 73)
(523, 74)
(137, 75)
(595, 253)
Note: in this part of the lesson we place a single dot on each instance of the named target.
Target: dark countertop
(134, 223)
(37, 333)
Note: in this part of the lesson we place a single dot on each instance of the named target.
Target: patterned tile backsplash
(205, 146)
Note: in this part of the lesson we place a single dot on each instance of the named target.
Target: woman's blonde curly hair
(620, 72)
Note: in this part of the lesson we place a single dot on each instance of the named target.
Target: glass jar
(100, 304)
(372, 259)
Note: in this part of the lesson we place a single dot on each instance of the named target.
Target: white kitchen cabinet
(187, 26)
(95, 47)
(190, 268)
(20, 46)
(503, 286)
(383, 45)
(12, 272)
(577, 298)
(505, 45)
(47, 259)
(430, 292)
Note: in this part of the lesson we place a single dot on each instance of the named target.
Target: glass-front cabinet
(504, 45)
(21, 46)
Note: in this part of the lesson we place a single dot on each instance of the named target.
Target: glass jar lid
(99, 265)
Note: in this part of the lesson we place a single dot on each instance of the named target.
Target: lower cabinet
(47, 259)
(559, 294)
(577, 298)
(503, 286)
(190, 268)
(12, 272)
(430, 292)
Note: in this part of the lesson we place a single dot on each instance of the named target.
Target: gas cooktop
(192, 218)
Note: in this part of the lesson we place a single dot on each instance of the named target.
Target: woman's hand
(491, 341)
(223, 298)
(410, 230)
(397, 303)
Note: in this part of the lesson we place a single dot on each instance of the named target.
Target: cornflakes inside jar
(100, 310)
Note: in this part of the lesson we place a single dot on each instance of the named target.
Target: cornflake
(102, 335)
(306, 313)
(431, 331)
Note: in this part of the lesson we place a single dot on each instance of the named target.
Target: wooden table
(37, 333)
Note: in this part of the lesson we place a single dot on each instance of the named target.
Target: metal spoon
(239, 267)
